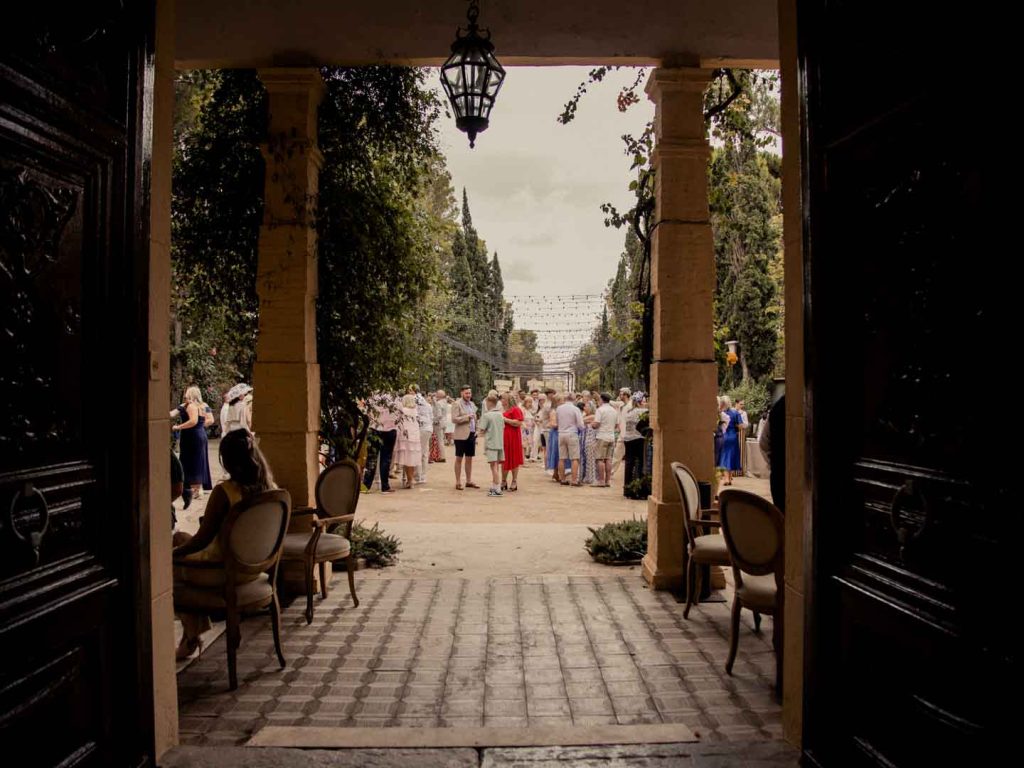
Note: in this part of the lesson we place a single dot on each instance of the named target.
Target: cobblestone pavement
(518, 651)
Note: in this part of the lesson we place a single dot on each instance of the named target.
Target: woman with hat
(239, 414)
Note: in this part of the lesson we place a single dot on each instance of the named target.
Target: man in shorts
(464, 419)
(570, 422)
(604, 423)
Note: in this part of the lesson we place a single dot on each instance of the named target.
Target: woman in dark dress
(192, 429)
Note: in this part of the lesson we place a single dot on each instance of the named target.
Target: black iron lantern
(472, 76)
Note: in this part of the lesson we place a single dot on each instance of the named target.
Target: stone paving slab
(753, 755)
(549, 651)
(746, 755)
(493, 736)
(238, 757)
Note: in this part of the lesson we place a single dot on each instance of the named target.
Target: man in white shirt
(604, 423)
(570, 421)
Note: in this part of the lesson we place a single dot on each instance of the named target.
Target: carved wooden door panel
(909, 650)
(75, 684)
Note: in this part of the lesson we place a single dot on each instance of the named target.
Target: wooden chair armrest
(325, 521)
(320, 525)
(303, 520)
(703, 527)
(709, 513)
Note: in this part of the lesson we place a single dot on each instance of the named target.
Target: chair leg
(309, 591)
(689, 587)
(350, 564)
(275, 622)
(757, 621)
(734, 633)
(233, 640)
(323, 580)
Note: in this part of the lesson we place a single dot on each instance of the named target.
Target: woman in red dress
(513, 441)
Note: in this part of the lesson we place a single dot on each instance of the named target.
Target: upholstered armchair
(702, 546)
(251, 541)
(337, 494)
(754, 531)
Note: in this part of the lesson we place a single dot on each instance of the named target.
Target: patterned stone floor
(537, 650)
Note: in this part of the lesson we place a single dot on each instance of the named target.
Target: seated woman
(248, 475)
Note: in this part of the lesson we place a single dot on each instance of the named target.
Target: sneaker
(494, 492)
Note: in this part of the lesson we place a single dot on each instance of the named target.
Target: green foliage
(756, 397)
(379, 270)
(477, 314)
(523, 355)
(745, 203)
(622, 542)
(377, 548)
(216, 208)
(640, 488)
(741, 110)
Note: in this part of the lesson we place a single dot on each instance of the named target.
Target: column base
(663, 563)
(661, 580)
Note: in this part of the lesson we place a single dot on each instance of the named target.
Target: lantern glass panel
(479, 76)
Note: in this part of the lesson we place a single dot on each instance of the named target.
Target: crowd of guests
(192, 419)
(581, 438)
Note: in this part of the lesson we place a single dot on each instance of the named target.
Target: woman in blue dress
(194, 458)
(729, 459)
(551, 456)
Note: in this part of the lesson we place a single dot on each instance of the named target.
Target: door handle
(33, 539)
(909, 513)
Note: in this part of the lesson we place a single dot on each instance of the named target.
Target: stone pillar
(286, 405)
(683, 376)
(798, 555)
(165, 687)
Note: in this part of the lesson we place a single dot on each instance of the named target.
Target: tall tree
(378, 265)
(216, 208)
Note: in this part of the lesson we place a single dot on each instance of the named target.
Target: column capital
(292, 80)
(675, 79)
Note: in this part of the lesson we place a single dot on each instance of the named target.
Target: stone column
(286, 406)
(683, 376)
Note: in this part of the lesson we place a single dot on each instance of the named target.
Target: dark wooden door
(910, 657)
(75, 680)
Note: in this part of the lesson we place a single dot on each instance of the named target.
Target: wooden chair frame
(233, 568)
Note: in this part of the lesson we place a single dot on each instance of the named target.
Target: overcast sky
(535, 186)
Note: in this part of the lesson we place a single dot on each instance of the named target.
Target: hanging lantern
(472, 76)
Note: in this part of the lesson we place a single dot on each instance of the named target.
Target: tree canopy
(741, 110)
(400, 263)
